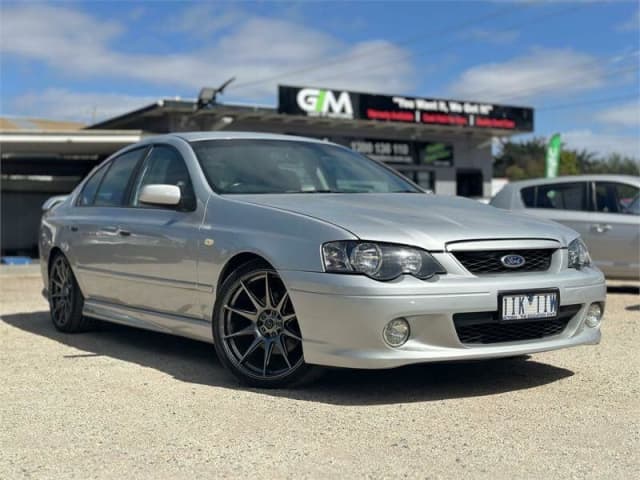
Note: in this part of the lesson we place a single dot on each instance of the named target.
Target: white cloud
(359, 69)
(603, 143)
(248, 47)
(137, 13)
(85, 107)
(627, 115)
(498, 37)
(204, 19)
(544, 72)
(633, 23)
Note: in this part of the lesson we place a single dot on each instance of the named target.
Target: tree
(614, 163)
(522, 160)
(527, 156)
(568, 163)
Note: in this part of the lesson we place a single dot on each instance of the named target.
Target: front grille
(496, 333)
(484, 327)
(489, 261)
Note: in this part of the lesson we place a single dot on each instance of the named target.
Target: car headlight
(578, 254)
(381, 261)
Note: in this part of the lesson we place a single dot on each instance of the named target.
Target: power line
(463, 41)
(376, 50)
(534, 91)
(588, 102)
(525, 92)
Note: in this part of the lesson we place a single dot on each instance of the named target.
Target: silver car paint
(426, 221)
(164, 274)
(613, 238)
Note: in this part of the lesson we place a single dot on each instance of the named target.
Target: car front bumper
(342, 317)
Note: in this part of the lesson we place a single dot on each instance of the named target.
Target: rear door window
(529, 197)
(558, 196)
(612, 197)
(113, 189)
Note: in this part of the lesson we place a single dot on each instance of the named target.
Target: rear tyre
(256, 332)
(65, 298)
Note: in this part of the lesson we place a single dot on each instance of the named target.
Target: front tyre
(256, 331)
(65, 298)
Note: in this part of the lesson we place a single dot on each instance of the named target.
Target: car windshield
(284, 166)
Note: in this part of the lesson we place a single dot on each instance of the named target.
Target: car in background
(604, 209)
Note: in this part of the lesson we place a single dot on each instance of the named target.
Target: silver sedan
(289, 253)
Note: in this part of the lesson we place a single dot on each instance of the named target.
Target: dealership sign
(384, 150)
(432, 154)
(343, 104)
(326, 103)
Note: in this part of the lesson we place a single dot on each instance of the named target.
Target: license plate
(527, 306)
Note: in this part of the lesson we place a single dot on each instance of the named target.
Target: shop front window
(469, 183)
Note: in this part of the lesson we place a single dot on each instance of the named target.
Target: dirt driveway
(122, 403)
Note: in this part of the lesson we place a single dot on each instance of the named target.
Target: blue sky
(575, 62)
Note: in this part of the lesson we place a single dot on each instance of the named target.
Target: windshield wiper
(354, 191)
(318, 191)
(327, 190)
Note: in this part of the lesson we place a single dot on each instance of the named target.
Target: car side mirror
(53, 202)
(160, 194)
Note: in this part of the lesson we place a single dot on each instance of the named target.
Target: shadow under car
(196, 362)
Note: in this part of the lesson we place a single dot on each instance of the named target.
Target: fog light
(396, 332)
(594, 315)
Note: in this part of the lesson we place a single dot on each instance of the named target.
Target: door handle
(74, 228)
(601, 227)
(113, 230)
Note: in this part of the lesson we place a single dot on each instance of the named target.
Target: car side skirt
(148, 320)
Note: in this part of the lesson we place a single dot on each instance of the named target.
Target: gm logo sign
(325, 103)
(513, 261)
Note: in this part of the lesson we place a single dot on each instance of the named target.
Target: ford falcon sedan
(289, 254)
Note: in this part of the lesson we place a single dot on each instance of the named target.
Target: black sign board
(319, 102)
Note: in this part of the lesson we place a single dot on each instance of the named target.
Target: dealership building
(443, 145)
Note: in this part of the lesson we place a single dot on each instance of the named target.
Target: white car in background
(604, 209)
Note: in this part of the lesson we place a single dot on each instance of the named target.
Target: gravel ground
(119, 401)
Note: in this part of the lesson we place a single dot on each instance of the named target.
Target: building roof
(171, 115)
(27, 123)
(140, 117)
(65, 142)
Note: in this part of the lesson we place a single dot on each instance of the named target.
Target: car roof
(576, 178)
(229, 135)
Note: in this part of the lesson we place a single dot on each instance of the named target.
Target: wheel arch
(236, 262)
(53, 253)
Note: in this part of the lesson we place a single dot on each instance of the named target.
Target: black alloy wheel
(65, 298)
(256, 330)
